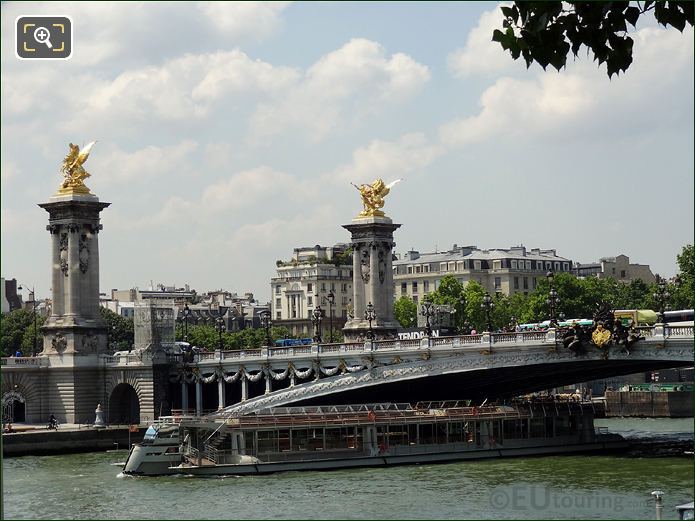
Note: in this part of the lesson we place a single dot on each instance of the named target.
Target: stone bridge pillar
(372, 277)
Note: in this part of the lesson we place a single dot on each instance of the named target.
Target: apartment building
(618, 268)
(507, 271)
(314, 276)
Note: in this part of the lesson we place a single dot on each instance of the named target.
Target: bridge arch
(13, 407)
(124, 404)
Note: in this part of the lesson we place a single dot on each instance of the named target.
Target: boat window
(427, 435)
(537, 427)
(300, 439)
(562, 426)
(398, 435)
(514, 429)
(151, 433)
(267, 441)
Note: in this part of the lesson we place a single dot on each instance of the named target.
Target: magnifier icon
(42, 35)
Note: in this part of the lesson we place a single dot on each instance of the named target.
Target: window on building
(410, 269)
(309, 301)
(427, 268)
(496, 264)
(565, 266)
(278, 303)
(278, 289)
(344, 287)
(415, 298)
(442, 266)
(414, 287)
(534, 283)
(418, 269)
(498, 283)
(278, 315)
(476, 264)
(528, 265)
(557, 266)
(345, 301)
(310, 287)
(525, 282)
(426, 286)
(513, 264)
(404, 288)
(332, 286)
(622, 274)
(323, 286)
(516, 282)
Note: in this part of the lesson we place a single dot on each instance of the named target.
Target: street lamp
(553, 299)
(186, 314)
(661, 296)
(33, 302)
(330, 299)
(266, 323)
(316, 318)
(220, 323)
(487, 305)
(370, 316)
(427, 310)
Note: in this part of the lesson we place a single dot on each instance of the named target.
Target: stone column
(220, 392)
(268, 382)
(184, 397)
(244, 388)
(75, 325)
(372, 281)
(199, 398)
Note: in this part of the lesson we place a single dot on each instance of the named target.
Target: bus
(286, 342)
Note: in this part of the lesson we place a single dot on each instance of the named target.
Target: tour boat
(343, 436)
(158, 451)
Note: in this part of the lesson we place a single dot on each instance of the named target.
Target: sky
(229, 133)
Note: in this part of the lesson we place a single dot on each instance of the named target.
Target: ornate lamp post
(488, 305)
(186, 314)
(220, 328)
(266, 323)
(370, 315)
(33, 306)
(427, 310)
(661, 296)
(462, 307)
(330, 299)
(553, 299)
(316, 318)
(512, 323)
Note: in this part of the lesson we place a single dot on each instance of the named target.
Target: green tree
(546, 32)
(405, 311)
(16, 332)
(475, 314)
(683, 292)
(121, 330)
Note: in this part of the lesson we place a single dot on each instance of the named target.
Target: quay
(35, 440)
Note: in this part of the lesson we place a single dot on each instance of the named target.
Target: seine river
(89, 486)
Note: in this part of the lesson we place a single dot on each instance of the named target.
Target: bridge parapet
(24, 361)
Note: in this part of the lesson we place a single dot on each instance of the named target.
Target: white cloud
(576, 98)
(115, 165)
(241, 19)
(481, 55)
(345, 84)
(389, 159)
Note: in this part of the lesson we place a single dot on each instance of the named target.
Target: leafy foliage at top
(545, 32)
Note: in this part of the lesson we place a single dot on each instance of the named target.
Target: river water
(89, 486)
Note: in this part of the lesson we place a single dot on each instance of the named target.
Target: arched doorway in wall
(13, 407)
(124, 405)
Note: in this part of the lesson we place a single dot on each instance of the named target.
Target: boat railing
(316, 454)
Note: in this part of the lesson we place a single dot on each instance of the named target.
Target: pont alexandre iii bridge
(459, 367)
(75, 372)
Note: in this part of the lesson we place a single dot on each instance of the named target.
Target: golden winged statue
(73, 171)
(373, 197)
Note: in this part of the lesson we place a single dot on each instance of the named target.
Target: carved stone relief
(364, 265)
(90, 343)
(84, 253)
(64, 253)
(59, 342)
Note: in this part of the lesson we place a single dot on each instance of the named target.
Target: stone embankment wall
(41, 442)
(674, 404)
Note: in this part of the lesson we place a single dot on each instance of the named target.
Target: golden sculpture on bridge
(373, 197)
(73, 171)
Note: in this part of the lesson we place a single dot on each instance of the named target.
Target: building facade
(307, 280)
(506, 271)
(618, 268)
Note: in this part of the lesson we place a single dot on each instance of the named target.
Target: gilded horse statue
(373, 197)
(73, 172)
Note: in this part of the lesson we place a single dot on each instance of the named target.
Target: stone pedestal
(75, 324)
(372, 277)
(99, 422)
